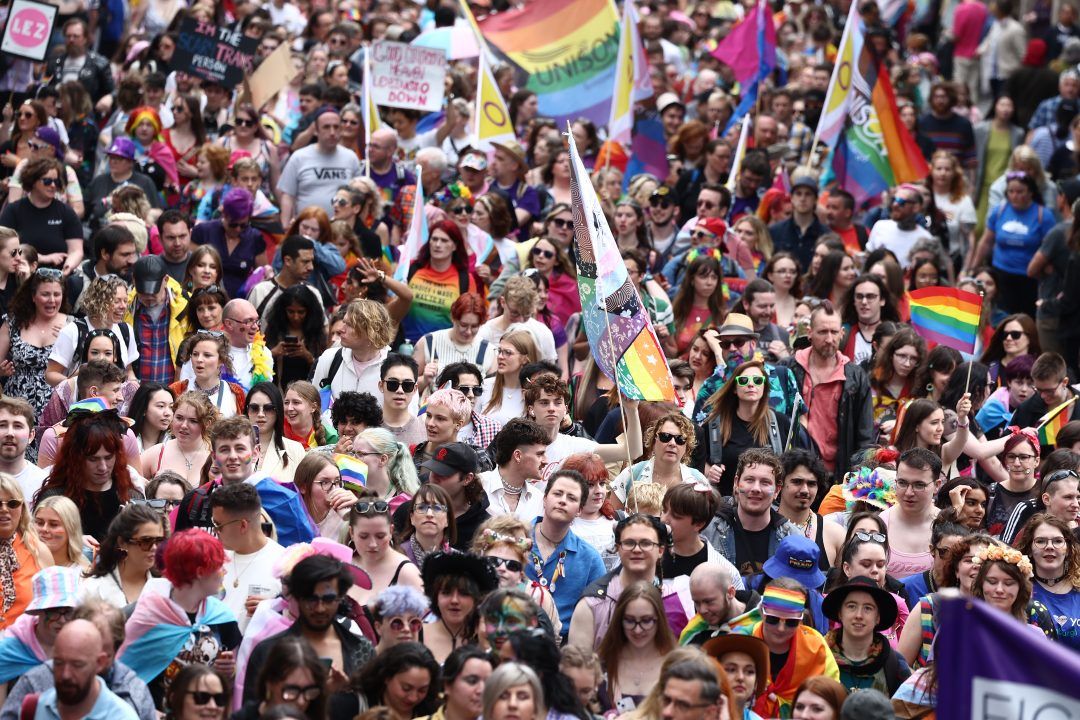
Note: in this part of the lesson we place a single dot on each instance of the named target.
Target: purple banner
(994, 667)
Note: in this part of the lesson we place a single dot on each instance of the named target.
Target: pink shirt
(969, 19)
(823, 405)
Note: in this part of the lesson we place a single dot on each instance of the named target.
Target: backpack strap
(262, 306)
(480, 352)
(462, 281)
(29, 706)
(332, 371)
(775, 440)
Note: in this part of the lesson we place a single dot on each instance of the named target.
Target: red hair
(85, 437)
(469, 303)
(190, 555)
(592, 468)
(460, 257)
(319, 215)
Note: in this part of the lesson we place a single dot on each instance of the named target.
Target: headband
(783, 603)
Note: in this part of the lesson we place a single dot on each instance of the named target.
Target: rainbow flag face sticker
(353, 472)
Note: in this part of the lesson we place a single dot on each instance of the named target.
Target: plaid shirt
(155, 363)
(1045, 113)
(801, 139)
(485, 428)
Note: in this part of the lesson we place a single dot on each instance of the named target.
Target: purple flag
(750, 48)
(992, 666)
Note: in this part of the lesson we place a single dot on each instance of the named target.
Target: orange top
(28, 567)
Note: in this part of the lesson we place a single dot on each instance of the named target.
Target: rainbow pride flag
(946, 316)
(353, 472)
(617, 325)
(567, 49)
(1052, 422)
(870, 149)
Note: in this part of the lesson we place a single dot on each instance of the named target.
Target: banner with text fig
(219, 54)
(407, 76)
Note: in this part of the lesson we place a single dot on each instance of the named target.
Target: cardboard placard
(273, 73)
(28, 29)
(407, 76)
(220, 54)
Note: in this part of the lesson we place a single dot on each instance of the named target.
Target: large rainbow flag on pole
(870, 149)
(566, 48)
(1051, 423)
(946, 316)
(750, 51)
(620, 335)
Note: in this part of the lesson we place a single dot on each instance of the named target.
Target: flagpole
(853, 18)
(978, 329)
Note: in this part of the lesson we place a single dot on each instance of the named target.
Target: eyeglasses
(50, 182)
(290, 693)
(146, 544)
(660, 202)
(256, 408)
(414, 625)
(867, 297)
(869, 536)
(511, 565)
(379, 507)
(1042, 542)
(474, 390)
(503, 352)
(58, 613)
(918, 486)
(907, 359)
(666, 437)
(645, 545)
(202, 697)
(1018, 457)
(51, 273)
(328, 485)
(744, 380)
(246, 323)
(405, 385)
(434, 508)
(218, 527)
(1013, 334)
(11, 504)
(245, 122)
(462, 210)
(562, 224)
(785, 622)
(702, 235)
(540, 252)
(325, 599)
(646, 623)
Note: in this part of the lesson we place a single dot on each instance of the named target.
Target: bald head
(78, 657)
(710, 574)
(712, 592)
(241, 322)
(385, 136)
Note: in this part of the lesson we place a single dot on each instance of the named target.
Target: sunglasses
(379, 507)
(37, 146)
(702, 235)
(211, 333)
(215, 288)
(50, 182)
(414, 625)
(27, 115)
(51, 273)
(562, 224)
(406, 385)
(11, 504)
(237, 225)
(474, 390)
(744, 380)
(728, 344)
(146, 544)
(157, 504)
(786, 622)
(178, 109)
(462, 210)
(1013, 334)
(511, 565)
(256, 408)
(325, 599)
(901, 202)
(245, 122)
(666, 437)
(341, 202)
(540, 252)
(657, 201)
(292, 692)
(870, 536)
(201, 697)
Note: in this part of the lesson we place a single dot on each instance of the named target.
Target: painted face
(510, 616)
(235, 457)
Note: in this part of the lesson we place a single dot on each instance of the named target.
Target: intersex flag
(870, 149)
(620, 335)
(750, 51)
(492, 116)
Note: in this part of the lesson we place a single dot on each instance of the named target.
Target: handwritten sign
(222, 55)
(28, 29)
(407, 76)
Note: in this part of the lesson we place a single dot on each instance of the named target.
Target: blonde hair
(460, 407)
(646, 498)
(98, 299)
(310, 394)
(400, 469)
(763, 242)
(520, 295)
(502, 530)
(205, 412)
(523, 342)
(371, 320)
(10, 485)
(68, 513)
(1024, 155)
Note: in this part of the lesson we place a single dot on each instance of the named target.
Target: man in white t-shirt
(519, 300)
(900, 233)
(249, 577)
(314, 173)
(16, 432)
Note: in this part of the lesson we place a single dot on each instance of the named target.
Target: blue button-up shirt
(577, 564)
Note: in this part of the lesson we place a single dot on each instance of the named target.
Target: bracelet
(963, 424)
(382, 276)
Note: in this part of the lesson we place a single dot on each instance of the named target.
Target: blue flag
(990, 665)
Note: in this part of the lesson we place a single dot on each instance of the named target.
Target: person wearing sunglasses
(240, 246)
(46, 143)
(552, 262)
(43, 218)
(1014, 336)
(199, 692)
(398, 386)
(899, 233)
(398, 616)
(125, 556)
(669, 443)
(783, 603)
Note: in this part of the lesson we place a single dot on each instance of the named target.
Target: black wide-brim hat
(886, 603)
(438, 564)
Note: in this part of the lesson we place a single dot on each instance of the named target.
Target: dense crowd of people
(248, 469)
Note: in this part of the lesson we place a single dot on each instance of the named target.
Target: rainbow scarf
(20, 650)
(158, 630)
(809, 656)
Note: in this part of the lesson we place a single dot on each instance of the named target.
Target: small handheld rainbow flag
(353, 472)
(947, 316)
(1051, 423)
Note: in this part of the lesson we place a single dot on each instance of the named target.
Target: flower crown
(997, 553)
(490, 537)
(456, 191)
(876, 487)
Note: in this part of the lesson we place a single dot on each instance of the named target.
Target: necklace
(187, 461)
(237, 572)
(453, 635)
(510, 489)
(554, 543)
(1051, 581)
(807, 527)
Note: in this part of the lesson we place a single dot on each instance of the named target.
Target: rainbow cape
(353, 472)
(158, 630)
(1051, 423)
(620, 334)
(809, 656)
(20, 650)
(946, 316)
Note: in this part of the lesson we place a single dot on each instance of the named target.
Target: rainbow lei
(260, 365)
(876, 487)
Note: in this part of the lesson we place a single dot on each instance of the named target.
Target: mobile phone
(328, 662)
(292, 339)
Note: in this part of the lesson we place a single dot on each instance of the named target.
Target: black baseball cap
(149, 272)
(453, 458)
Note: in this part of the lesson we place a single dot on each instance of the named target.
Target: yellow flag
(372, 121)
(492, 116)
(621, 121)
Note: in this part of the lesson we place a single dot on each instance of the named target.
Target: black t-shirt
(47, 229)
(202, 647)
(776, 663)
(96, 511)
(676, 565)
(752, 549)
(98, 202)
(1004, 502)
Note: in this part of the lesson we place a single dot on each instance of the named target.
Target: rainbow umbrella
(458, 42)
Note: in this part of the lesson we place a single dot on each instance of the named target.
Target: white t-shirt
(887, 234)
(599, 533)
(30, 480)
(512, 406)
(251, 574)
(565, 446)
(63, 351)
(958, 215)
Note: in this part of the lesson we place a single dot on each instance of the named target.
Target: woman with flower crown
(1003, 580)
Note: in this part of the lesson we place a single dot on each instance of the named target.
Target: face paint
(510, 616)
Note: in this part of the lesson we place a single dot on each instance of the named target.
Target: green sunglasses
(745, 380)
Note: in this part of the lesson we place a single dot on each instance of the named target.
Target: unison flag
(871, 150)
(567, 49)
(620, 335)
(990, 665)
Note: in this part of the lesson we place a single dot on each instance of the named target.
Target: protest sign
(407, 76)
(28, 29)
(990, 665)
(273, 73)
(222, 55)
